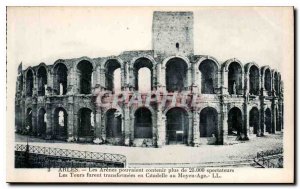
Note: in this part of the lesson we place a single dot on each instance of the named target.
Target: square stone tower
(172, 33)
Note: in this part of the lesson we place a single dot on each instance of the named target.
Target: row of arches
(176, 76)
(177, 123)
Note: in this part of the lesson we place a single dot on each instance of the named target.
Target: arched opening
(235, 123)
(60, 123)
(177, 126)
(268, 81)
(85, 69)
(42, 81)
(276, 83)
(85, 123)
(143, 71)
(142, 123)
(209, 76)
(112, 75)
(254, 80)
(29, 83)
(176, 75)
(235, 79)
(28, 124)
(60, 79)
(42, 122)
(113, 124)
(254, 120)
(208, 122)
(268, 120)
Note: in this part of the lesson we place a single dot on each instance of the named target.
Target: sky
(45, 34)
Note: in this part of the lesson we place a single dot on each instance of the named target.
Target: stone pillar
(246, 129)
(126, 76)
(258, 132)
(34, 117)
(102, 78)
(163, 77)
(247, 83)
(123, 75)
(97, 133)
(72, 120)
(196, 129)
(50, 83)
(224, 119)
(158, 75)
(262, 120)
(197, 76)
(189, 78)
(50, 120)
(161, 128)
(190, 130)
(242, 91)
(127, 125)
(274, 117)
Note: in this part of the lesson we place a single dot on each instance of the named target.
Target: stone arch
(209, 75)
(208, 122)
(42, 122)
(60, 123)
(235, 122)
(42, 80)
(235, 76)
(176, 74)
(140, 63)
(252, 70)
(111, 65)
(60, 71)
(86, 125)
(254, 120)
(113, 122)
(143, 123)
(267, 79)
(85, 70)
(177, 126)
(29, 82)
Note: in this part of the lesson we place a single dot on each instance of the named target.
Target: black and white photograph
(150, 94)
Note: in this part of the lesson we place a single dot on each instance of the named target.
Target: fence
(36, 156)
(270, 158)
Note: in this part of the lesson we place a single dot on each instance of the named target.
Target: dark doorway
(209, 76)
(176, 75)
(268, 120)
(143, 123)
(254, 80)
(113, 124)
(254, 120)
(42, 122)
(85, 74)
(235, 79)
(85, 123)
(42, 81)
(29, 83)
(268, 81)
(235, 123)
(208, 122)
(177, 126)
(60, 123)
(60, 79)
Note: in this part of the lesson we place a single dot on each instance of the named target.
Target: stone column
(158, 75)
(50, 120)
(258, 132)
(102, 79)
(98, 126)
(72, 120)
(34, 117)
(262, 119)
(246, 128)
(50, 83)
(123, 75)
(197, 80)
(189, 78)
(247, 83)
(190, 130)
(224, 118)
(274, 117)
(126, 120)
(161, 128)
(196, 128)
(163, 77)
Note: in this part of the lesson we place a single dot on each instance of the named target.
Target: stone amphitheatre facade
(194, 99)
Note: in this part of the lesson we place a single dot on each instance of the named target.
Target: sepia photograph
(150, 94)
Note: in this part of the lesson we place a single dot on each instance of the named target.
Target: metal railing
(270, 158)
(75, 154)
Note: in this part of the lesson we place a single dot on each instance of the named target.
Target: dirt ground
(175, 155)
